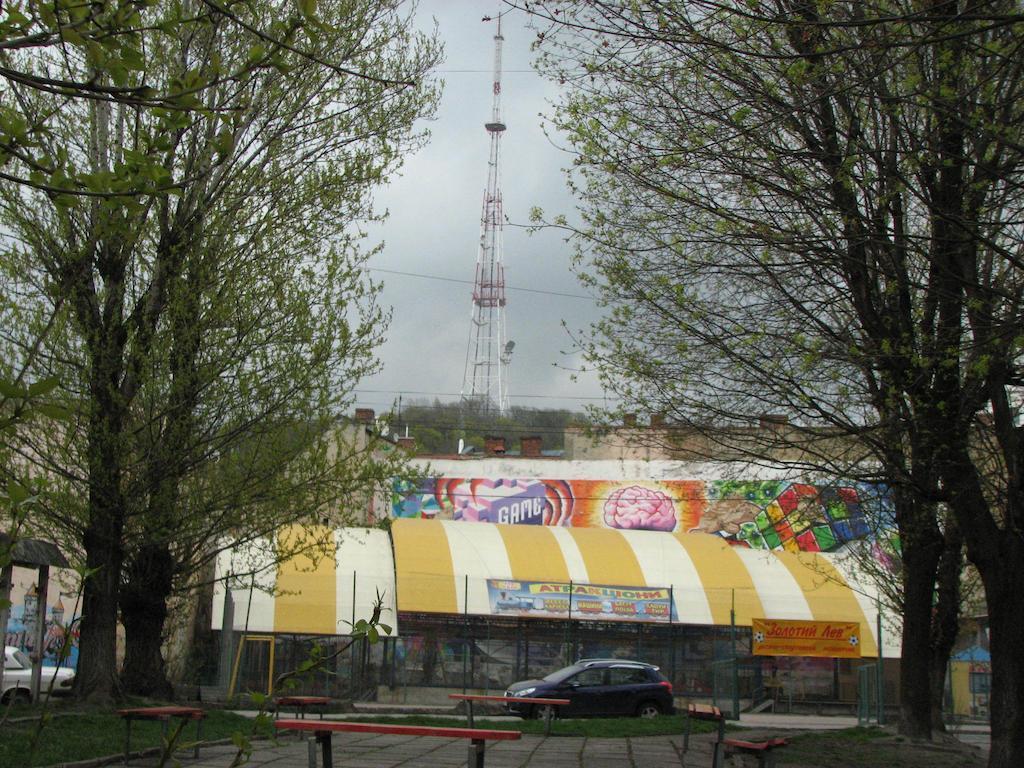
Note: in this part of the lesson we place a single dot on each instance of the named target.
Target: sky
(433, 230)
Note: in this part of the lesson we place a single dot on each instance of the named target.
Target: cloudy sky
(431, 237)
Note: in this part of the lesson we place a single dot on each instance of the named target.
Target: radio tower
(488, 354)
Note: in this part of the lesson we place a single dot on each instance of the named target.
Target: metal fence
(437, 655)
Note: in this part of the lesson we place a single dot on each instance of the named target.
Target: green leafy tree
(217, 319)
(814, 209)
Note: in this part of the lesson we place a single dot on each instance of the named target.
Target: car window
(589, 677)
(562, 674)
(626, 676)
(22, 659)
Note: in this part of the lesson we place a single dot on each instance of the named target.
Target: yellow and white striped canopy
(443, 567)
(322, 594)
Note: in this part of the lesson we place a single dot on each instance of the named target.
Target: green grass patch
(72, 735)
(664, 725)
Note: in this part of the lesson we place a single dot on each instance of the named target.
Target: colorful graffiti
(758, 514)
(22, 628)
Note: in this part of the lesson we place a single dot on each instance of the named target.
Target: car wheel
(19, 696)
(540, 711)
(648, 709)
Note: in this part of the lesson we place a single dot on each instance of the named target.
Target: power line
(458, 394)
(470, 282)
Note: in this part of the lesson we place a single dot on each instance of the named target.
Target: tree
(814, 209)
(216, 324)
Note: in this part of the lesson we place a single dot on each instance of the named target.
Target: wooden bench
(765, 750)
(706, 712)
(549, 705)
(301, 704)
(322, 730)
(164, 715)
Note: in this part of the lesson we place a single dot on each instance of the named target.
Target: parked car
(598, 688)
(17, 681)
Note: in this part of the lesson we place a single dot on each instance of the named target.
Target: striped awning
(323, 592)
(444, 567)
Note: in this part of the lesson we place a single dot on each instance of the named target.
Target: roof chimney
(529, 447)
(657, 421)
(364, 415)
(629, 420)
(407, 443)
(773, 421)
(494, 446)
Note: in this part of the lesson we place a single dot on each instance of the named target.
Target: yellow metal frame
(269, 639)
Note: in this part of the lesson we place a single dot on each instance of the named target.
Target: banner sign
(552, 599)
(781, 637)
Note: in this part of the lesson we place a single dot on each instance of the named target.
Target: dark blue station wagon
(598, 688)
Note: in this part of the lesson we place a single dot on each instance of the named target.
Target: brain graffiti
(639, 508)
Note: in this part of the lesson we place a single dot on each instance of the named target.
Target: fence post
(735, 659)
(880, 677)
(465, 631)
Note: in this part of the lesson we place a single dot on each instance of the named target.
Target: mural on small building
(62, 610)
(778, 514)
(21, 628)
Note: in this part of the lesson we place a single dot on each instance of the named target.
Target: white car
(17, 682)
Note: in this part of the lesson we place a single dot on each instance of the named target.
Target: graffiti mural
(22, 627)
(758, 514)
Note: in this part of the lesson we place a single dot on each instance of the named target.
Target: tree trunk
(920, 562)
(1004, 593)
(144, 610)
(946, 621)
(96, 675)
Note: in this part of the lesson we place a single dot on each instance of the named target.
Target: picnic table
(301, 704)
(164, 715)
(549, 705)
(322, 730)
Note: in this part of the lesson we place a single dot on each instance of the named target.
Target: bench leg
(325, 749)
(469, 713)
(717, 755)
(549, 715)
(476, 754)
(311, 751)
(199, 737)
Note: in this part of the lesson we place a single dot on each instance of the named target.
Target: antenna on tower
(489, 353)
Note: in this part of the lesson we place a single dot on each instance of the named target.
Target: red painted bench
(322, 730)
(763, 749)
(164, 715)
(301, 703)
(549, 705)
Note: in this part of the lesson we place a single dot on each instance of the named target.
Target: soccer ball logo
(854, 641)
(759, 637)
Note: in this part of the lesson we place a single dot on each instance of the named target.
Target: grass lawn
(73, 735)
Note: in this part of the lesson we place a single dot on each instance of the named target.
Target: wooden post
(5, 597)
(37, 666)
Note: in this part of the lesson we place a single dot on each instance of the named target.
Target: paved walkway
(358, 750)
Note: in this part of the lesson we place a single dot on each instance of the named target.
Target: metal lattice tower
(489, 352)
